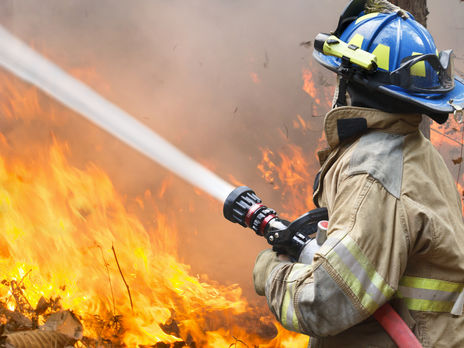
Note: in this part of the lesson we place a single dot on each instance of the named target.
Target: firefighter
(395, 230)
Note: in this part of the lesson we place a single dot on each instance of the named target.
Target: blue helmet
(406, 64)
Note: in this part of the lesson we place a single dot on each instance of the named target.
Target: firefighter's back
(434, 275)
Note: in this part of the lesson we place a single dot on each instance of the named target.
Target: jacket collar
(349, 121)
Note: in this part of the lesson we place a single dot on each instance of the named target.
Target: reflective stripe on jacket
(395, 234)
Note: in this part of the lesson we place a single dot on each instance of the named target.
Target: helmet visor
(426, 73)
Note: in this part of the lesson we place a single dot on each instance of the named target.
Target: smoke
(220, 79)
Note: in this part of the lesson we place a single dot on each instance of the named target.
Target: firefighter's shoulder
(380, 155)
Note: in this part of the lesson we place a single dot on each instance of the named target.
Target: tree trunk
(418, 8)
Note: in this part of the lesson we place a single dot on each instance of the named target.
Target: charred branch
(15, 321)
(122, 276)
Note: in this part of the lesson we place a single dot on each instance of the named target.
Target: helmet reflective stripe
(365, 17)
(382, 53)
(418, 69)
(357, 40)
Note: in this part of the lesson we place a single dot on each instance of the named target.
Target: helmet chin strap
(340, 95)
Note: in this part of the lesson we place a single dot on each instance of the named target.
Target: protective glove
(265, 263)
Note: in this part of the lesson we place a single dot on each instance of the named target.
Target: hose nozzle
(244, 207)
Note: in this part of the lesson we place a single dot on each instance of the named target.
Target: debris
(264, 327)
(161, 345)
(42, 306)
(15, 321)
(36, 339)
(171, 327)
(167, 345)
(66, 323)
(22, 302)
(266, 59)
(237, 341)
(457, 160)
(307, 44)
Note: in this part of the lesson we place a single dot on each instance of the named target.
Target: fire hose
(243, 206)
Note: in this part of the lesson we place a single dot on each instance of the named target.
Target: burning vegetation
(79, 268)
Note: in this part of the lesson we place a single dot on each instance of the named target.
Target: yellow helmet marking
(382, 52)
(418, 69)
(368, 16)
(357, 40)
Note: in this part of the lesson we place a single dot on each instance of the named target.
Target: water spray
(27, 64)
(241, 205)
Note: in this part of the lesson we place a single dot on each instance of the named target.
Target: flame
(322, 95)
(448, 138)
(255, 78)
(235, 181)
(300, 123)
(289, 172)
(65, 230)
(308, 85)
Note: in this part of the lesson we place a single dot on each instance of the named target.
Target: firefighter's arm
(356, 271)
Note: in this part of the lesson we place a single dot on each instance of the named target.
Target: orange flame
(290, 173)
(322, 95)
(300, 123)
(255, 78)
(308, 85)
(448, 139)
(59, 224)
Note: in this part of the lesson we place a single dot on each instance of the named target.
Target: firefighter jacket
(395, 235)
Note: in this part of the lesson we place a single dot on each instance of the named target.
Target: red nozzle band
(251, 212)
(265, 222)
